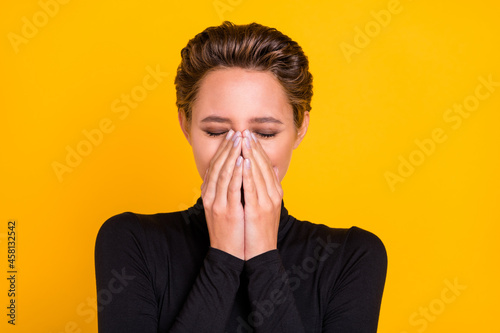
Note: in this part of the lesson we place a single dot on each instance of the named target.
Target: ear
(183, 123)
(303, 130)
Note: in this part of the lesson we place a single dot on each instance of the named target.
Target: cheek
(276, 153)
(204, 151)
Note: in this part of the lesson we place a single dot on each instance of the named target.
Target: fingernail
(247, 142)
(229, 134)
(237, 141)
(247, 163)
(254, 138)
(247, 133)
(236, 135)
(238, 161)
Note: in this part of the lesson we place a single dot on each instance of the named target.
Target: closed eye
(266, 135)
(215, 134)
(263, 135)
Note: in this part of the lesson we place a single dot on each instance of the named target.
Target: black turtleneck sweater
(158, 273)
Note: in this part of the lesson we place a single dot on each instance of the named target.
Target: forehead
(241, 94)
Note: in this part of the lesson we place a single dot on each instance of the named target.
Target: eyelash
(260, 134)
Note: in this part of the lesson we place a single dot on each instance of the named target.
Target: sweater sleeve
(211, 299)
(272, 300)
(125, 296)
(125, 287)
(355, 299)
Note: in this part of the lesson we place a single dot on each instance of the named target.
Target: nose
(241, 130)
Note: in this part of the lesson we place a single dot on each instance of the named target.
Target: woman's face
(240, 99)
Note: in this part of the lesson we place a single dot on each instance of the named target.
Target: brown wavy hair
(251, 46)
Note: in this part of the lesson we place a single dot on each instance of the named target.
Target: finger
(278, 186)
(227, 170)
(262, 187)
(224, 144)
(234, 188)
(264, 176)
(204, 180)
(261, 155)
(249, 188)
(216, 164)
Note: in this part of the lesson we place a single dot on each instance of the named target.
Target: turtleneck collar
(197, 212)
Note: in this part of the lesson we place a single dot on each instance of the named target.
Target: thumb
(204, 180)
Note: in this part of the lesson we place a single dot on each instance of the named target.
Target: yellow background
(440, 224)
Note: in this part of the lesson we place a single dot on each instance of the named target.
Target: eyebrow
(258, 120)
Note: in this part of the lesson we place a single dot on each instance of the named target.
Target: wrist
(254, 252)
(238, 253)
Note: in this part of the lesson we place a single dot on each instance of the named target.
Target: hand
(263, 195)
(221, 195)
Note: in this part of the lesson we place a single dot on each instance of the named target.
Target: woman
(236, 261)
